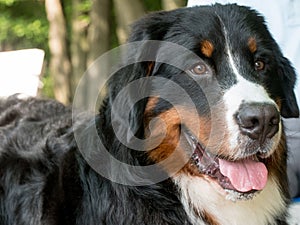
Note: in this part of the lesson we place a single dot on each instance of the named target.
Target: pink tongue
(245, 175)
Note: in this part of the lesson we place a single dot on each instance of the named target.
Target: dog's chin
(239, 179)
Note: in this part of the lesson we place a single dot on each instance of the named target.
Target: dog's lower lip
(205, 161)
(208, 164)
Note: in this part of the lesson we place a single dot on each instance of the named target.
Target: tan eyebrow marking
(252, 44)
(207, 48)
(150, 68)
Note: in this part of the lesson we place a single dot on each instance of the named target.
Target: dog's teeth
(195, 157)
(234, 195)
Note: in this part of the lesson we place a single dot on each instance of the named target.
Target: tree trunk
(60, 66)
(99, 29)
(99, 40)
(172, 4)
(127, 11)
(79, 45)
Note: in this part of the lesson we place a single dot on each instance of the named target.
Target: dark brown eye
(259, 65)
(199, 69)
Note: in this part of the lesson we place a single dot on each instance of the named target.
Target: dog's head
(214, 110)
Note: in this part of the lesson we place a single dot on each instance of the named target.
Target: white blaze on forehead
(243, 91)
(231, 61)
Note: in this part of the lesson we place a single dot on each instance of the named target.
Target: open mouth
(241, 178)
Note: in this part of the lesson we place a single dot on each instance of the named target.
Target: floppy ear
(142, 56)
(127, 93)
(289, 107)
(127, 114)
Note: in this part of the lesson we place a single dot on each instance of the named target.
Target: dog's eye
(199, 69)
(259, 65)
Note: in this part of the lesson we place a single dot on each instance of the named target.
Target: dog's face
(229, 131)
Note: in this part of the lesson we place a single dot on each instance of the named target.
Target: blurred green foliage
(151, 5)
(48, 85)
(7, 2)
(23, 24)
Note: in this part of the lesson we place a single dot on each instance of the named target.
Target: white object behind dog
(20, 71)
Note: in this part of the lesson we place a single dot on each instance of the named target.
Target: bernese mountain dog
(189, 131)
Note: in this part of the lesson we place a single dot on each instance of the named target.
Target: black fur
(45, 180)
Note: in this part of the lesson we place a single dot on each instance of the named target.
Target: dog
(188, 132)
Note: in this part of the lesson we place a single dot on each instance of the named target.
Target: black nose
(258, 121)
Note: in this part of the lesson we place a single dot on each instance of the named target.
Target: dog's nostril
(254, 123)
(258, 121)
(247, 123)
(274, 121)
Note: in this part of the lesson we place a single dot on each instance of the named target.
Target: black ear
(153, 26)
(289, 107)
(128, 91)
(130, 87)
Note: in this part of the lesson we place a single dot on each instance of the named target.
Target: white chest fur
(202, 195)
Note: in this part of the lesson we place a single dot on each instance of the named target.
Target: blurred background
(67, 34)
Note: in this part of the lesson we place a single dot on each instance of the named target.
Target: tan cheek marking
(150, 68)
(169, 122)
(152, 102)
(168, 126)
(209, 218)
(252, 44)
(278, 103)
(207, 48)
(276, 163)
